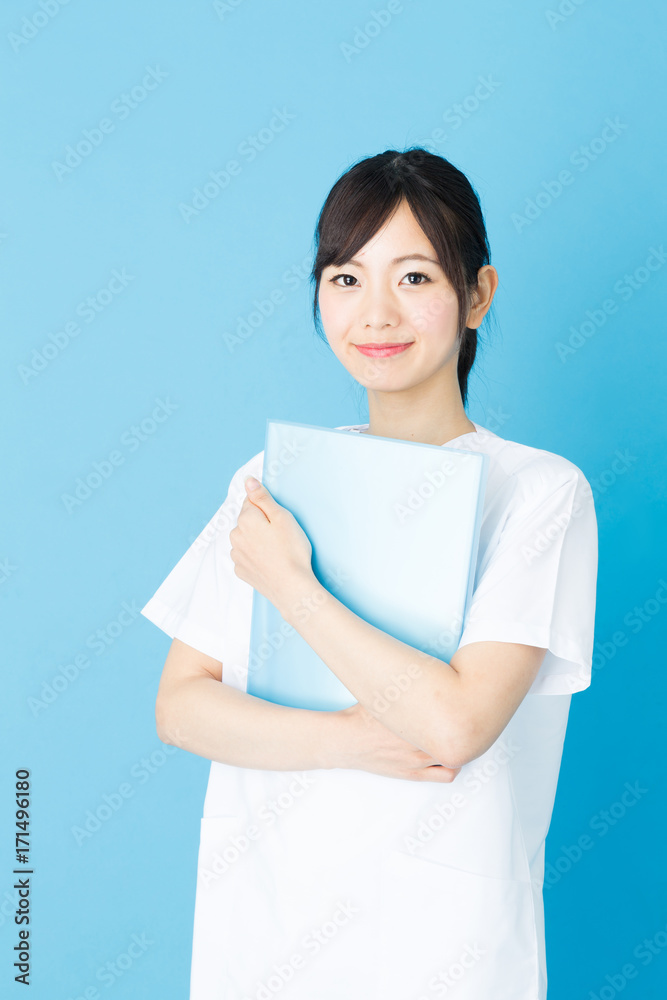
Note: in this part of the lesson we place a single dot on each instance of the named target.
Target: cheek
(325, 313)
(435, 315)
(332, 316)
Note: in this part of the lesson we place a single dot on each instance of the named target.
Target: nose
(378, 310)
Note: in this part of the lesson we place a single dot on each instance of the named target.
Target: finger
(440, 773)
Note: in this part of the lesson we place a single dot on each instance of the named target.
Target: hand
(270, 550)
(370, 746)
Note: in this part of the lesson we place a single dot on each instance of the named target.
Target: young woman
(354, 855)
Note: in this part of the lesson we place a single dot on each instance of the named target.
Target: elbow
(164, 723)
(459, 732)
(457, 748)
(454, 757)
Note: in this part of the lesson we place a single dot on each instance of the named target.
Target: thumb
(258, 494)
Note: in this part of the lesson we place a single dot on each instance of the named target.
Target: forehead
(400, 240)
(401, 234)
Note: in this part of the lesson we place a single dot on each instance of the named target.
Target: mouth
(382, 350)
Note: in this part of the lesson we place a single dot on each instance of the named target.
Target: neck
(391, 416)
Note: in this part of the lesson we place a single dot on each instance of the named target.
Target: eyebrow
(400, 260)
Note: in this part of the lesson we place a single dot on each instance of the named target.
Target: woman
(351, 854)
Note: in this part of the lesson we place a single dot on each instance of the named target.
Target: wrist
(333, 745)
(301, 595)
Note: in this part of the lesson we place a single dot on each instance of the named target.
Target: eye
(410, 274)
(418, 274)
(334, 280)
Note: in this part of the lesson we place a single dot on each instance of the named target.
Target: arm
(198, 713)
(453, 711)
(194, 711)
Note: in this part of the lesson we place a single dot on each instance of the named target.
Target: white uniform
(346, 885)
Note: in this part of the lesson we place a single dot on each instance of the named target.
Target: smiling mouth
(383, 350)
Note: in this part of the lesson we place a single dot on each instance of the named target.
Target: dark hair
(444, 203)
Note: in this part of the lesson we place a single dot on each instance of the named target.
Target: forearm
(219, 722)
(417, 696)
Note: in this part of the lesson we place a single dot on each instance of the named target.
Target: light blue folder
(394, 526)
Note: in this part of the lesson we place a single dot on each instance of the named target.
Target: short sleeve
(539, 585)
(199, 599)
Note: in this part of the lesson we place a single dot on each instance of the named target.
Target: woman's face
(387, 295)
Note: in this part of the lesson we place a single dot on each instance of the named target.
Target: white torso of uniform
(324, 884)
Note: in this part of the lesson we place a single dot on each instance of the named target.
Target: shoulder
(538, 469)
(533, 472)
(534, 466)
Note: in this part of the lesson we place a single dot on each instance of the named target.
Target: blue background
(162, 334)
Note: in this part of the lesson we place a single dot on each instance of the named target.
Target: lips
(382, 350)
